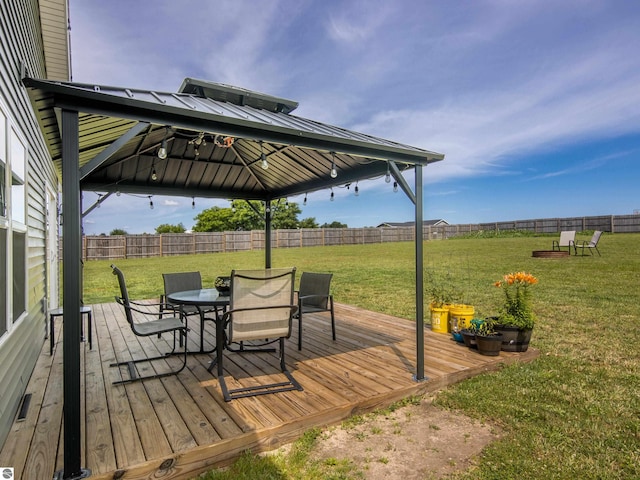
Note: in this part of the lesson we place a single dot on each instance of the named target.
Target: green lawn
(573, 413)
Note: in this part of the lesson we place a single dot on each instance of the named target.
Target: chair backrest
(181, 281)
(261, 303)
(567, 238)
(315, 284)
(123, 299)
(595, 238)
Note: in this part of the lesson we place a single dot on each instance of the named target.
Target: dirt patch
(414, 442)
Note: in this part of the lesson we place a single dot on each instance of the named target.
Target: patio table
(203, 299)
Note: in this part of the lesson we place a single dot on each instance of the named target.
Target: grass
(573, 413)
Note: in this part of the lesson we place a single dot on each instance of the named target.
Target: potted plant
(516, 318)
(488, 340)
(441, 293)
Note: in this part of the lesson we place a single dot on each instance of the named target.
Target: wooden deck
(179, 426)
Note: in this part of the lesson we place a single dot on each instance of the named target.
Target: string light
(162, 152)
(193, 203)
(357, 190)
(334, 172)
(150, 202)
(395, 186)
(304, 202)
(154, 175)
(387, 177)
(331, 198)
(263, 157)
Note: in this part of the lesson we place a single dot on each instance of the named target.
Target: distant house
(429, 223)
(34, 42)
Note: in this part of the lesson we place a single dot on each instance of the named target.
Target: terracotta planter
(489, 345)
(514, 339)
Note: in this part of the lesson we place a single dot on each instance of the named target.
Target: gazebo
(209, 141)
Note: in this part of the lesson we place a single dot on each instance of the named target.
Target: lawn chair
(314, 296)
(261, 308)
(567, 239)
(157, 326)
(591, 244)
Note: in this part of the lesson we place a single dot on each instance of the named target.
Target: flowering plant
(517, 309)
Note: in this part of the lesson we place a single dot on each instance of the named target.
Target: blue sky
(535, 104)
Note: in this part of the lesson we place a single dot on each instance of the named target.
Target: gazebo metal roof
(215, 135)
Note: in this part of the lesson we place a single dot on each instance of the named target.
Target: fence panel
(140, 246)
(177, 244)
(137, 246)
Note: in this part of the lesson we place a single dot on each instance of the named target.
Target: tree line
(245, 215)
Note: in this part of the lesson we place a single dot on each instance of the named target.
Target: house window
(13, 228)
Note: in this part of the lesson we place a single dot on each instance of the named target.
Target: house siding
(21, 46)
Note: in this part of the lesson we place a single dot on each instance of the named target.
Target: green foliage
(309, 222)
(167, 228)
(247, 215)
(118, 231)
(214, 219)
(334, 224)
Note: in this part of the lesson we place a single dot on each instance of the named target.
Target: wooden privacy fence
(168, 244)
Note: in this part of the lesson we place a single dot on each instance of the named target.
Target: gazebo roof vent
(236, 95)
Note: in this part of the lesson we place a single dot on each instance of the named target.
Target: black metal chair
(591, 244)
(180, 282)
(134, 311)
(261, 309)
(314, 295)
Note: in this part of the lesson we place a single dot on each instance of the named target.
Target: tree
(334, 224)
(214, 219)
(167, 228)
(118, 231)
(308, 223)
(247, 216)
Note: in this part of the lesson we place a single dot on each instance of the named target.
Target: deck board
(178, 426)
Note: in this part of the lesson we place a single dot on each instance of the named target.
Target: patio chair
(591, 244)
(314, 296)
(148, 328)
(261, 308)
(180, 282)
(567, 239)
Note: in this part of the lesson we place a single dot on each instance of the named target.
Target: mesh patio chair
(180, 282)
(567, 239)
(591, 244)
(134, 312)
(261, 309)
(314, 295)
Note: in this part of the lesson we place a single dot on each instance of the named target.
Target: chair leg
(291, 384)
(300, 329)
(133, 372)
(333, 320)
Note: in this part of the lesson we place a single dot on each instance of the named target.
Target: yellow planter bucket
(439, 319)
(460, 317)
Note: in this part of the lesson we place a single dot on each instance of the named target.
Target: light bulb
(264, 164)
(387, 177)
(334, 172)
(357, 191)
(154, 175)
(193, 203)
(331, 196)
(304, 202)
(162, 152)
(395, 186)
(151, 204)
